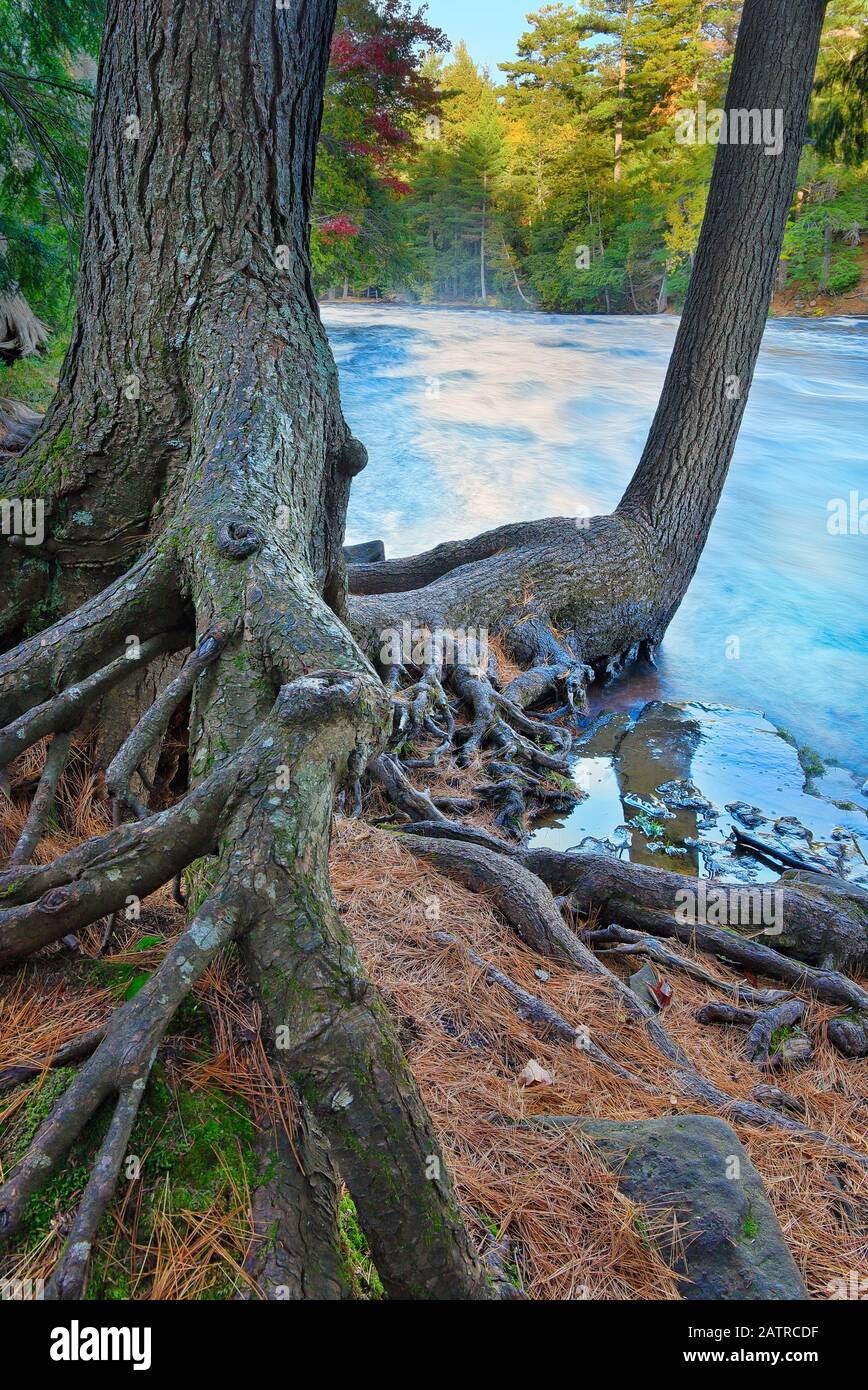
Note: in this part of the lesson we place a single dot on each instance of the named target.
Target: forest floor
(182, 1228)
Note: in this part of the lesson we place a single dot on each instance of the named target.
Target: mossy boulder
(730, 1245)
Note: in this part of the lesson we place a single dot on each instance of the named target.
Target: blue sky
(491, 28)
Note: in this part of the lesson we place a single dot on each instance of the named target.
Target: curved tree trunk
(614, 582)
(197, 262)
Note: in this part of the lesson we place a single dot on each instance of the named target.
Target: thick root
(295, 1254)
(816, 922)
(530, 908)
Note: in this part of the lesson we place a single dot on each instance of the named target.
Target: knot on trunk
(58, 899)
(317, 695)
(352, 457)
(237, 537)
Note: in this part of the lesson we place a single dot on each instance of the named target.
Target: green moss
(197, 1152)
(359, 1268)
(62, 1190)
(750, 1226)
(812, 764)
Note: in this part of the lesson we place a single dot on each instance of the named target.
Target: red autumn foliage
(338, 228)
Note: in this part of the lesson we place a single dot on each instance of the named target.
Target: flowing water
(476, 418)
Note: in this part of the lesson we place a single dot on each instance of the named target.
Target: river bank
(476, 419)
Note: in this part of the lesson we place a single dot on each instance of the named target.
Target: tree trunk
(197, 274)
(677, 486)
(242, 511)
(622, 89)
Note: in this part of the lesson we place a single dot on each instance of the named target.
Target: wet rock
(731, 1246)
(367, 553)
(791, 825)
(663, 847)
(681, 792)
(748, 816)
(649, 806)
(667, 772)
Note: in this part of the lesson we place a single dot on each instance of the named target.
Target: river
(476, 418)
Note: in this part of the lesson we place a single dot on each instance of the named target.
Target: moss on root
(358, 1266)
(197, 1156)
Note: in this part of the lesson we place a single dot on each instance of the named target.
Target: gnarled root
(762, 1025)
(530, 908)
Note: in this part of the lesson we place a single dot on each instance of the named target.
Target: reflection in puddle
(670, 787)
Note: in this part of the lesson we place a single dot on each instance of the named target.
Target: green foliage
(824, 230)
(840, 122)
(566, 187)
(557, 182)
(45, 65)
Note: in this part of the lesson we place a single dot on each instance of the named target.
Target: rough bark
(244, 551)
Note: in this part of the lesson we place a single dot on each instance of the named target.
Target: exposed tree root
(74, 1051)
(286, 709)
(152, 726)
(638, 943)
(142, 604)
(530, 908)
(66, 710)
(818, 922)
(545, 1020)
(762, 1025)
(295, 1254)
(119, 1068)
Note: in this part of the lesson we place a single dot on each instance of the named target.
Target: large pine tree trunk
(196, 274)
